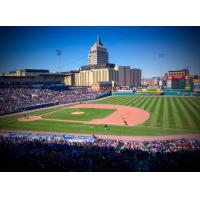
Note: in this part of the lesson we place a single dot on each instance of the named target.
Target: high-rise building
(124, 75)
(100, 71)
(135, 77)
(98, 54)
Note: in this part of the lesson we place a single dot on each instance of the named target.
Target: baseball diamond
(162, 115)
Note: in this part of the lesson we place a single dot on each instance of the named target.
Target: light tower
(58, 53)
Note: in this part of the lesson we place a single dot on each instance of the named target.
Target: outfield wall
(167, 93)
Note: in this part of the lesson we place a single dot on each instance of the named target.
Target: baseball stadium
(124, 116)
(96, 135)
(101, 117)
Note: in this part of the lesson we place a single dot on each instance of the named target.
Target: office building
(98, 73)
(135, 77)
(98, 54)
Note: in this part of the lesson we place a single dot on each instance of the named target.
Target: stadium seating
(42, 152)
(21, 99)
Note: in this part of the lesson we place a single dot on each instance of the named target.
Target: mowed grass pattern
(169, 116)
(166, 112)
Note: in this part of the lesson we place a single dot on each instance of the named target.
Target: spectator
(59, 153)
(16, 99)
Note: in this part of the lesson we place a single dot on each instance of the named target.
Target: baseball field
(144, 116)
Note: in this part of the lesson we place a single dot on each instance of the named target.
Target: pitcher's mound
(77, 113)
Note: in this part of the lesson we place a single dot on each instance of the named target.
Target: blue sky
(153, 49)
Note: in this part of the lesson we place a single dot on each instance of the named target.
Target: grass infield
(169, 115)
(88, 114)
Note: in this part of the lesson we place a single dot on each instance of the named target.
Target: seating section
(43, 152)
(20, 99)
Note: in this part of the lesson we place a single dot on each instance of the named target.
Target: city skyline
(155, 50)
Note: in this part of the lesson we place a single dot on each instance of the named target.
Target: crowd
(59, 154)
(15, 99)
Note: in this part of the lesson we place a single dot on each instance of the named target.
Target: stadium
(145, 116)
(113, 133)
(99, 118)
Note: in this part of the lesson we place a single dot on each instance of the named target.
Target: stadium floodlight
(58, 53)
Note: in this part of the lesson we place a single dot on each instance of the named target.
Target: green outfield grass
(169, 115)
(166, 112)
(89, 114)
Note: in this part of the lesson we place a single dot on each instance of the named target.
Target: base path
(123, 116)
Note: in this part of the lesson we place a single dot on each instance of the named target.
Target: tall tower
(98, 54)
